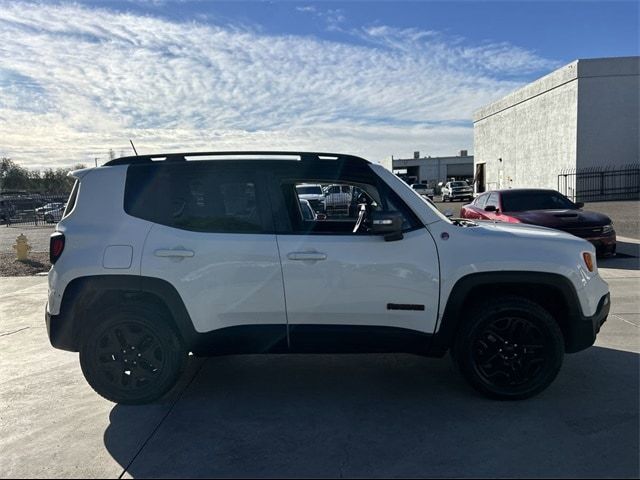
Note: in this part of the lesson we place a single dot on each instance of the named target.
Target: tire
(510, 349)
(137, 339)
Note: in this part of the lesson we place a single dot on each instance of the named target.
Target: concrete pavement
(320, 415)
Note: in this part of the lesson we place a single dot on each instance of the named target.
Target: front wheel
(132, 355)
(510, 349)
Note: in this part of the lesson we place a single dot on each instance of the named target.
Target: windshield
(309, 190)
(459, 184)
(541, 200)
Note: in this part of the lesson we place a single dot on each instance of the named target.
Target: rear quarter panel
(98, 234)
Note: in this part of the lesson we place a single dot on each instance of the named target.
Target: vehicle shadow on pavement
(387, 415)
(628, 258)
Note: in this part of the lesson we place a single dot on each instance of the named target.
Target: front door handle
(180, 253)
(308, 256)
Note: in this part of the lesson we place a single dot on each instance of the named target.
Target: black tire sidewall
(152, 319)
(487, 314)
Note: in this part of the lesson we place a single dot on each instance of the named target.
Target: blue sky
(371, 78)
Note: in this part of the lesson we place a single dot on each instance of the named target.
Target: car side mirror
(388, 224)
(321, 216)
(579, 204)
(490, 208)
(448, 213)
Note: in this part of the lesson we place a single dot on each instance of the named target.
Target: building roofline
(581, 68)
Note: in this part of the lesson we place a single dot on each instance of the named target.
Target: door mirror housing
(388, 224)
(490, 208)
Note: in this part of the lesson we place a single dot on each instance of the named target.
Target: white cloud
(75, 82)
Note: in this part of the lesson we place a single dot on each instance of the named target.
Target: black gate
(33, 209)
(598, 184)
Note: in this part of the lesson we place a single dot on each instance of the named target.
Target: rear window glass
(197, 197)
(531, 200)
(72, 199)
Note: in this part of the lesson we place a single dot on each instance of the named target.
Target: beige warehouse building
(579, 117)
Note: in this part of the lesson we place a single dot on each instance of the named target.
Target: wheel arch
(85, 295)
(553, 292)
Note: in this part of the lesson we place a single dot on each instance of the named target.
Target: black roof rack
(182, 157)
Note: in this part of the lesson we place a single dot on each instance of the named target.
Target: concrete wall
(533, 131)
(582, 115)
(608, 110)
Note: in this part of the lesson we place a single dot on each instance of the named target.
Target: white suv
(159, 256)
(457, 190)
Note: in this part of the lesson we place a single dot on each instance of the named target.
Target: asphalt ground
(321, 415)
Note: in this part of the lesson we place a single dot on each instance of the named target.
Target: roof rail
(183, 157)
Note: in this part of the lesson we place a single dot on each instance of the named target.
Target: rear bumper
(583, 330)
(60, 331)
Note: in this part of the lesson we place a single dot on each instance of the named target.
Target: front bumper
(461, 195)
(583, 330)
(605, 245)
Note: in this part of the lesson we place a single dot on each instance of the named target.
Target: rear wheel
(511, 349)
(132, 355)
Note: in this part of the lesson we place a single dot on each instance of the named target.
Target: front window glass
(337, 212)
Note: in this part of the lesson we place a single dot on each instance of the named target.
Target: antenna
(134, 148)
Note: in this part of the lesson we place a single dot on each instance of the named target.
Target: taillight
(56, 246)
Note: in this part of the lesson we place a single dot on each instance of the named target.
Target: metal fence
(33, 209)
(598, 184)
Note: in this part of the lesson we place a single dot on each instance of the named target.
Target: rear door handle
(180, 253)
(309, 256)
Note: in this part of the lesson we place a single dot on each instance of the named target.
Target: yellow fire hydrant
(21, 247)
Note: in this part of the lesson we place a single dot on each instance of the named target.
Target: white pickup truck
(423, 190)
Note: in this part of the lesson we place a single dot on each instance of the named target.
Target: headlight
(607, 228)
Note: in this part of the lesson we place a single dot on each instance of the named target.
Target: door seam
(284, 294)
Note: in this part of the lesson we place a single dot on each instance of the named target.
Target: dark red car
(546, 208)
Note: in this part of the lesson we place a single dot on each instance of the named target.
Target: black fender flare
(84, 293)
(463, 289)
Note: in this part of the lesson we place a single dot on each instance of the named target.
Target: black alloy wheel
(132, 355)
(511, 348)
(509, 352)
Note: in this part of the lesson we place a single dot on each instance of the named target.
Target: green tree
(13, 176)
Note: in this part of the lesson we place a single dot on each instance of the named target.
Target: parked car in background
(49, 206)
(423, 190)
(338, 199)
(7, 210)
(55, 214)
(547, 208)
(457, 190)
(314, 194)
(50, 212)
(308, 213)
